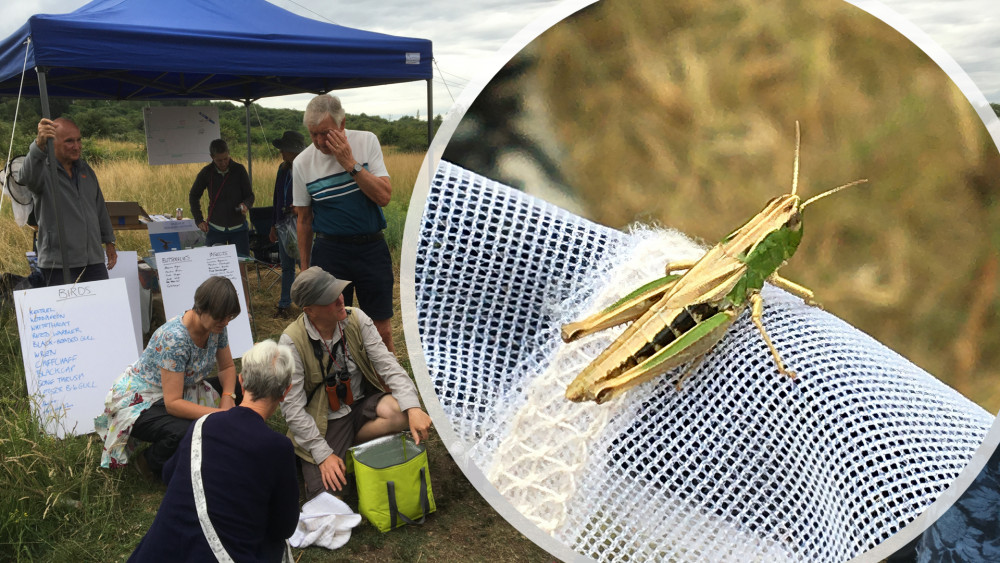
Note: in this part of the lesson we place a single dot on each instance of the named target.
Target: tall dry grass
(55, 502)
(683, 113)
(124, 176)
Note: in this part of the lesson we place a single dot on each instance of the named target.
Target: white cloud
(465, 36)
(968, 30)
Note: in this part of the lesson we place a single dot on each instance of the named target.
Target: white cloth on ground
(325, 521)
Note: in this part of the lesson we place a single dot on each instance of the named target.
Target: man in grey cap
(283, 218)
(347, 387)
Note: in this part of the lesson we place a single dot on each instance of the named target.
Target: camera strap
(329, 353)
(323, 353)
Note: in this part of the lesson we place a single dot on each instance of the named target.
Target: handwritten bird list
(75, 340)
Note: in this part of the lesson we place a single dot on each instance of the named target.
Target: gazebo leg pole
(246, 104)
(51, 194)
(430, 111)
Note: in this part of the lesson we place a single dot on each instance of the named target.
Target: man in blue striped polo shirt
(339, 187)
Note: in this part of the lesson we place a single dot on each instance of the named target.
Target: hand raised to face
(339, 148)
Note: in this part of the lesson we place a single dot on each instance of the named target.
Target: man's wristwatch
(357, 169)
(231, 396)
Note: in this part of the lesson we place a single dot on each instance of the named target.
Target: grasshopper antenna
(831, 192)
(795, 169)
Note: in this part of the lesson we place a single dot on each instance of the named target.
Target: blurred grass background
(683, 114)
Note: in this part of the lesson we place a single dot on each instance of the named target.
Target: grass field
(56, 504)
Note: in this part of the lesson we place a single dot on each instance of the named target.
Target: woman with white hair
(231, 486)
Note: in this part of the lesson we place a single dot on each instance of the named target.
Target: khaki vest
(318, 407)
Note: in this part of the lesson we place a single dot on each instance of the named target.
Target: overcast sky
(467, 33)
(968, 30)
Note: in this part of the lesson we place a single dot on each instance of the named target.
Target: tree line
(123, 121)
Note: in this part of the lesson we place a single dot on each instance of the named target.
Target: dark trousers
(165, 430)
(240, 238)
(340, 434)
(287, 275)
(88, 273)
(367, 265)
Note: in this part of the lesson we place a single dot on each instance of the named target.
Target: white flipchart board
(177, 135)
(182, 271)
(75, 341)
(127, 268)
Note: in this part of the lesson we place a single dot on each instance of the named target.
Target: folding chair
(262, 250)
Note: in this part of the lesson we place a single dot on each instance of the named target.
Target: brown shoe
(142, 466)
(282, 313)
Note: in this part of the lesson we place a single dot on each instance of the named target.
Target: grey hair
(322, 106)
(267, 370)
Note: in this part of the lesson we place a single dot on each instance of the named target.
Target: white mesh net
(742, 464)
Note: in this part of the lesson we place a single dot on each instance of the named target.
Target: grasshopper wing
(681, 326)
(628, 308)
(688, 347)
(633, 305)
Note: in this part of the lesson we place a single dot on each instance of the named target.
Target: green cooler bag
(394, 482)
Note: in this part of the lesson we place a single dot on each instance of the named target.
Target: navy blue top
(282, 201)
(251, 489)
(969, 531)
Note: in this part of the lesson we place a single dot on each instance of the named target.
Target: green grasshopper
(678, 319)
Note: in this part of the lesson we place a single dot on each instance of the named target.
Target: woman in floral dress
(159, 395)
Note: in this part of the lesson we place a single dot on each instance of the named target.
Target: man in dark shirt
(229, 198)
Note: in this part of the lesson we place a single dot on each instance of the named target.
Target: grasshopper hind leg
(756, 312)
(679, 265)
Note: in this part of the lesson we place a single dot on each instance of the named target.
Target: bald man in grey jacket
(89, 238)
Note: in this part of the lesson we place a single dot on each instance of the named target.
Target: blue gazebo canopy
(205, 49)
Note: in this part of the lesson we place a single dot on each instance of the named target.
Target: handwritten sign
(75, 340)
(127, 269)
(182, 271)
(176, 135)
